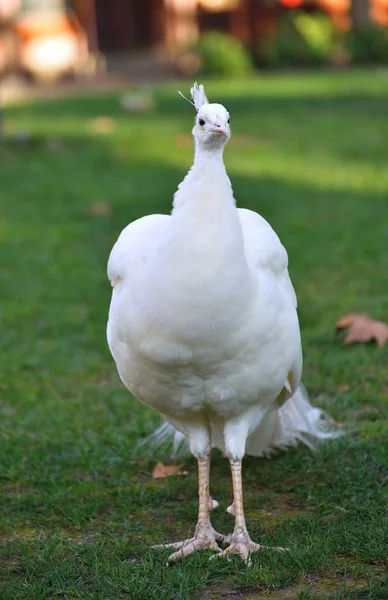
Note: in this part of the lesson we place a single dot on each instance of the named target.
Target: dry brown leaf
(161, 471)
(348, 320)
(361, 328)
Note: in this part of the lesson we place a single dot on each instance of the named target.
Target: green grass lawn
(79, 508)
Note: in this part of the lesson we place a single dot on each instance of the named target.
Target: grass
(79, 507)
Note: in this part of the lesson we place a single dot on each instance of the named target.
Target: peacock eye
(201, 122)
(228, 120)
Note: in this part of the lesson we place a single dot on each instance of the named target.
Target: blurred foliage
(369, 45)
(317, 30)
(301, 39)
(221, 54)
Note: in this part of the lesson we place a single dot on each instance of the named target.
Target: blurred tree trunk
(360, 14)
(251, 10)
(86, 13)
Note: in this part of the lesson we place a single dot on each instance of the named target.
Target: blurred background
(46, 40)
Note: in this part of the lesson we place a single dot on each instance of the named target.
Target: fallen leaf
(348, 320)
(100, 208)
(102, 124)
(361, 328)
(161, 471)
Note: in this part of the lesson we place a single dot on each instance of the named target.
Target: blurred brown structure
(51, 37)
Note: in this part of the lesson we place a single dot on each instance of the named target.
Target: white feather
(203, 324)
(198, 95)
(296, 421)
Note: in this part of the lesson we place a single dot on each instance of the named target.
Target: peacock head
(212, 124)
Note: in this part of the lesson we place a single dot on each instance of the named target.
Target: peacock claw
(204, 538)
(240, 544)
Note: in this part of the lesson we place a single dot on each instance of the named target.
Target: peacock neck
(205, 221)
(202, 252)
(206, 189)
(209, 158)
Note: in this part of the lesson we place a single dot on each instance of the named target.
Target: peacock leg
(205, 535)
(240, 542)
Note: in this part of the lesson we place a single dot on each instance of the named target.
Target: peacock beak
(219, 129)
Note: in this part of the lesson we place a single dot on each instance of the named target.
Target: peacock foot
(240, 544)
(205, 537)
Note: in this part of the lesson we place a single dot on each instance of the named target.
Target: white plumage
(203, 326)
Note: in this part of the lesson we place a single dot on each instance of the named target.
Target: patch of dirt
(349, 563)
(325, 588)
(225, 593)
(8, 562)
(14, 488)
(282, 594)
(274, 513)
(221, 592)
(23, 533)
